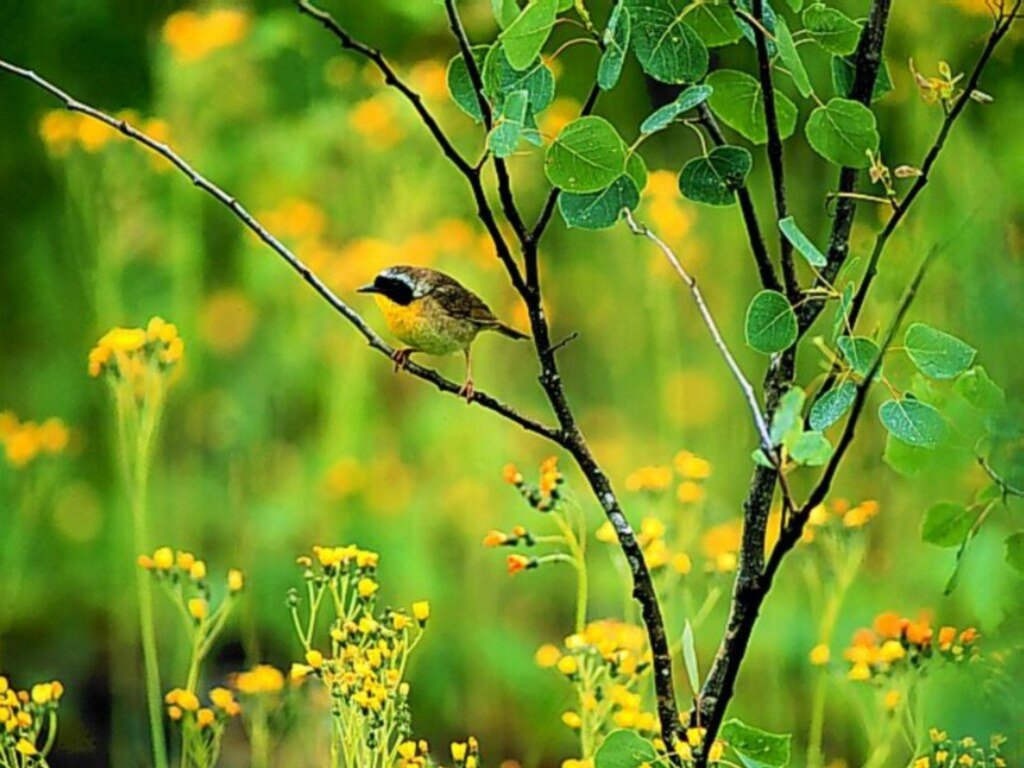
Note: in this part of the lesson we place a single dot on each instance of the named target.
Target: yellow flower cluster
(182, 567)
(63, 131)
(651, 539)
(192, 36)
(261, 679)
(966, 752)
(184, 706)
(545, 495)
(376, 121)
(691, 469)
(895, 643)
(368, 652)
(28, 719)
(604, 663)
(942, 89)
(132, 354)
(23, 441)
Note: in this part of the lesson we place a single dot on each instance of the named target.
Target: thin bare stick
(376, 342)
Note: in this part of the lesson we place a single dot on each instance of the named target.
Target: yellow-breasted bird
(433, 313)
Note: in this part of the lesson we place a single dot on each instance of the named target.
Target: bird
(433, 313)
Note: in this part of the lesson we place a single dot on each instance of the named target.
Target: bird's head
(401, 285)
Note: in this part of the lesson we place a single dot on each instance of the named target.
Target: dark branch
(775, 155)
(765, 268)
(482, 399)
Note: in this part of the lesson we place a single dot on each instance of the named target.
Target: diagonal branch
(765, 268)
(471, 173)
(375, 341)
(775, 155)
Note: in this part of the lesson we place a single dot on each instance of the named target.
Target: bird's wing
(462, 303)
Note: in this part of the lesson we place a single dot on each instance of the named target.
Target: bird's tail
(507, 330)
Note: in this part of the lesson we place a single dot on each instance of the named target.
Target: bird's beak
(371, 288)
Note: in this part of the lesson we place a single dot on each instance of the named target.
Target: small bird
(434, 314)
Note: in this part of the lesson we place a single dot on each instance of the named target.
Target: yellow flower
(690, 492)
(222, 698)
(205, 717)
(163, 558)
(187, 700)
(568, 666)
(859, 672)
(547, 656)
(692, 467)
(198, 608)
(59, 129)
(892, 650)
(820, 655)
(684, 750)
(26, 747)
(185, 560)
(42, 693)
(572, 719)
(421, 611)
(367, 587)
(299, 672)
(695, 736)
(174, 712)
(192, 36)
(715, 753)
(236, 580)
(315, 659)
(682, 563)
(649, 479)
(145, 562)
(458, 751)
(262, 678)
(892, 700)
(606, 532)
(198, 570)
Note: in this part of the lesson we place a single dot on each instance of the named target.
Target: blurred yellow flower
(561, 112)
(649, 479)
(547, 656)
(24, 441)
(59, 130)
(820, 655)
(691, 466)
(262, 678)
(192, 35)
(236, 580)
(226, 321)
(375, 120)
(421, 611)
(198, 608)
(690, 492)
(721, 545)
(430, 78)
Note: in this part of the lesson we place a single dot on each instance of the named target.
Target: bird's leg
(401, 357)
(467, 388)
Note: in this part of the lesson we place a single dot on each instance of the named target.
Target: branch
(765, 268)
(709, 320)
(508, 202)
(375, 341)
(775, 156)
(471, 173)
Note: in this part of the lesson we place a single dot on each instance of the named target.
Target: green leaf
(460, 86)
(947, 524)
(832, 29)
(936, 354)
(843, 70)
(977, 388)
(715, 178)
(1015, 551)
(771, 323)
(830, 407)
(759, 749)
(914, 422)
(505, 137)
(505, 11)
(791, 58)
(843, 132)
(795, 5)
(586, 156)
(809, 449)
(860, 352)
(690, 657)
(523, 39)
(802, 243)
(906, 460)
(666, 46)
(502, 79)
(715, 23)
(840, 323)
(599, 210)
(739, 101)
(625, 749)
(788, 417)
(769, 19)
(616, 42)
(662, 117)
(636, 169)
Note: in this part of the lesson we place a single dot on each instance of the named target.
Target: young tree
(596, 178)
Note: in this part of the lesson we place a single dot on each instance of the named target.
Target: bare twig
(1006, 488)
(747, 388)
(427, 374)
(565, 342)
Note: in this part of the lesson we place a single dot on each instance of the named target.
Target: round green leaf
(526, 35)
(913, 422)
(771, 323)
(791, 58)
(460, 86)
(936, 354)
(739, 101)
(843, 72)
(843, 132)
(860, 352)
(625, 749)
(586, 156)
(616, 43)
(599, 210)
(809, 449)
(662, 117)
(832, 29)
(636, 169)
(715, 23)
(830, 407)
(1015, 551)
(505, 137)
(947, 524)
(788, 417)
(666, 46)
(502, 79)
(757, 748)
(715, 178)
(505, 11)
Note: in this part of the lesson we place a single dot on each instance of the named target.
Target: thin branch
(765, 268)
(747, 388)
(1006, 488)
(505, 194)
(427, 374)
(774, 148)
(472, 173)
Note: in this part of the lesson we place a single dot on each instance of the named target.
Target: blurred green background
(282, 430)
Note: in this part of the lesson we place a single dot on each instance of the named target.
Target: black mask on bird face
(398, 289)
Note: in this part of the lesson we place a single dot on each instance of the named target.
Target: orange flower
(889, 624)
(495, 539)
(919, 633)
(511, 475)
(517, 563)
(947, 635)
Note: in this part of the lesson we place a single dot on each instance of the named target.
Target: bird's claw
(467, 391)
(401, 357)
